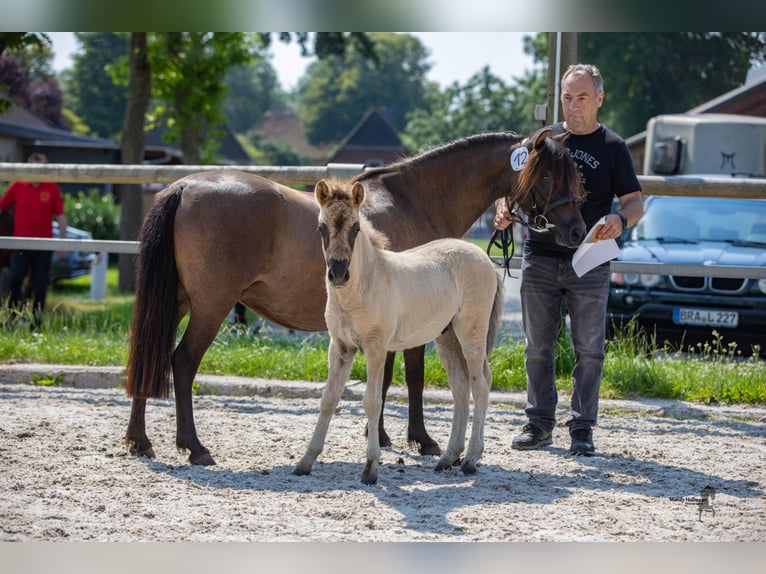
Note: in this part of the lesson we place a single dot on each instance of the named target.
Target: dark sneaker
(582, 442)
(531, 438)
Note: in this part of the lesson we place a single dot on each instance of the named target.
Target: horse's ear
(561, 138)
(358, 194)
(321, 192)
(539, 137)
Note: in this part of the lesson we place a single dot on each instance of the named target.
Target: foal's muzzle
(337, 271)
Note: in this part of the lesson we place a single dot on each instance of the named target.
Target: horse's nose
(337, 271)
(577, 234)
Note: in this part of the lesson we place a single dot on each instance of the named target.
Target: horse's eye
(322, 228)
(353, 232)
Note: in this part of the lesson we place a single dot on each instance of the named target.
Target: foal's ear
(357, 193)
(321, 192)
(539, 137)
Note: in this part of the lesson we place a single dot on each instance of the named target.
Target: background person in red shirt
(35, 206)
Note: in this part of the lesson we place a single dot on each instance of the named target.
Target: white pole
(98, 277)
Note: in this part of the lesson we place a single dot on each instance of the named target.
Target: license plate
(705, 317)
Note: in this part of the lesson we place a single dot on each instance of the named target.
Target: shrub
(94, 212)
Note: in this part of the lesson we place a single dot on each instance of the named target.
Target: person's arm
(503, 216)
(631, 209)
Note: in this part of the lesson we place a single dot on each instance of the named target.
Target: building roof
(372, 141)
(22, 124)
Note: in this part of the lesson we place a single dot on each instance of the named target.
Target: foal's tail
(155, 315)
(496, 316)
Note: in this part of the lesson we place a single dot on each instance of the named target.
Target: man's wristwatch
(623, 219)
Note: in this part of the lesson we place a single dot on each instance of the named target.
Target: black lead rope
(503, 240)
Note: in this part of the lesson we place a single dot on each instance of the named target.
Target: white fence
(308, 175)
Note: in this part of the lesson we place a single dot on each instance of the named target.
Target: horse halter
(537, 220)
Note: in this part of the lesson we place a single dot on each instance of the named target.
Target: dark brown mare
(216, 237)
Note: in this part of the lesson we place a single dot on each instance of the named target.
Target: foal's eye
(322, 228)
(353, 232)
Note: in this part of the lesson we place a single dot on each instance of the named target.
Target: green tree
(188, 70)
(646, 74)
(253, 90)
(93, 88)
(337, 91)
(656, 73)
(185, 72)
(484, 104)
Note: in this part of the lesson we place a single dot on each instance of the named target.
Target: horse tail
(497, 314)
(155, 315)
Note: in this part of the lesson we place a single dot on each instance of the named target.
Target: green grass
(79, 330)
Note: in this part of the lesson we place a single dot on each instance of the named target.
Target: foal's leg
(451, 357)
(340, 360)
(479, 376)
(373, 407)
(388, 377)
(481, 382)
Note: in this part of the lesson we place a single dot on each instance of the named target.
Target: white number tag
(519, 158)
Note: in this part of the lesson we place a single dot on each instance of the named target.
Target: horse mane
(551, 160)
(429, 153)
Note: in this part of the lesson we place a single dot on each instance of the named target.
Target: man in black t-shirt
(549, 284)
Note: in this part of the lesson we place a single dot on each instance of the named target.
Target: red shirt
(36, 206)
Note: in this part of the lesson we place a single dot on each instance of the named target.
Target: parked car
(76, 263)
(685, 310)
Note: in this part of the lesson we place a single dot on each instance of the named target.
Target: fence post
(98, 277)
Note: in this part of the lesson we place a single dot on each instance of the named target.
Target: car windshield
(692, 219)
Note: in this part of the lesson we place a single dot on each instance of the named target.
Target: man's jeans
(549, 287)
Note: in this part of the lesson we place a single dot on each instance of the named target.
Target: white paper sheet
(593, 252)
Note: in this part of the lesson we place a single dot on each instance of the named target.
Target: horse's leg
(373, 407)
(340, 360)
(136, 439)
(451, 356)
(198, 336)
(414, 365)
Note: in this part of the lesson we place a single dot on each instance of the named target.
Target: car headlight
(762, 286)
(630, 278)
(649, 281)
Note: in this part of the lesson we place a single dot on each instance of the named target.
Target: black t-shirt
(606, 169)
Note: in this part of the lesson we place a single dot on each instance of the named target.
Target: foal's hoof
(468, 468)
(368, 480)
(298, 472)
(202, 459)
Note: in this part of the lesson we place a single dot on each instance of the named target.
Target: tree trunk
(132, 147)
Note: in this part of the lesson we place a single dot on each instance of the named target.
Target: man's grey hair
(577, 70)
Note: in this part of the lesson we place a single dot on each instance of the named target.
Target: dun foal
(447, 290)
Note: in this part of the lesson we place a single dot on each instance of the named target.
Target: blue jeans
(547, 285)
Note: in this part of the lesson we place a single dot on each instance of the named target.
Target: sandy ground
(67, 477)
